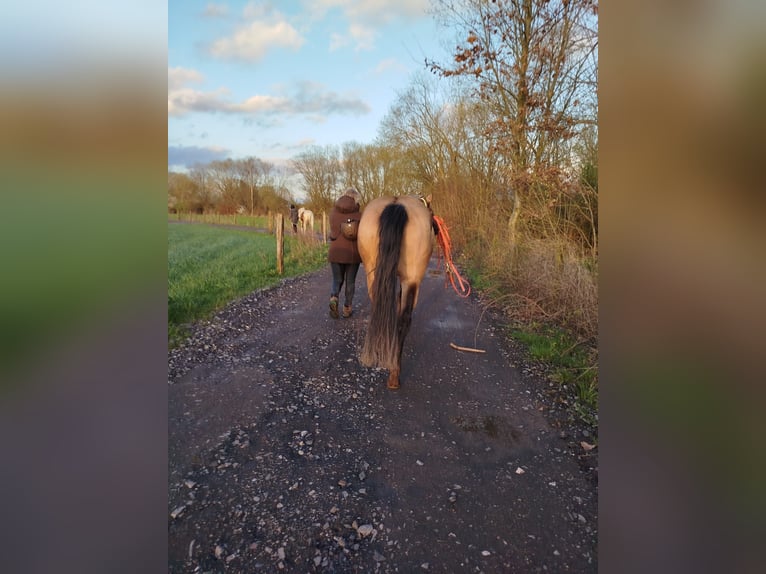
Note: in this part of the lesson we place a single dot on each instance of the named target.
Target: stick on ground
(469, 349)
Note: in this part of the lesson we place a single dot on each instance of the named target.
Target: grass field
(209, 267)
(257, 221)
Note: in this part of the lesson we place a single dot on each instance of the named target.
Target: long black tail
(382, 345)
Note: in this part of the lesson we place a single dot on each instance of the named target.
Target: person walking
(294, 217)
(343, 254)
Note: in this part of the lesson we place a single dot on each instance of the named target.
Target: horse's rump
(306, 218)
(395, 242)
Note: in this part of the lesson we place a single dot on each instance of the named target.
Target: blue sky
(270, 79)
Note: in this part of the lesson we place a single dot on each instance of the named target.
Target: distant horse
(306, 218)
(395, 240)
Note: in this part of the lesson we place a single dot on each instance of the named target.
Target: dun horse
(395, 241)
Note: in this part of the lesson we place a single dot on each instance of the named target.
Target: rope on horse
(445, 244)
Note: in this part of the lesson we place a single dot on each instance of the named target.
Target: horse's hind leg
(408, 296)
(370, 282)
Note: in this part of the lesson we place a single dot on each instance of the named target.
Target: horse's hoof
(393, 383)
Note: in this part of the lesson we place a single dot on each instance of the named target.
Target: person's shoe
(347, 311)
(334, 307)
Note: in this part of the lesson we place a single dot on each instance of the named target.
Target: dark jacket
(343, 250)
(294, 215)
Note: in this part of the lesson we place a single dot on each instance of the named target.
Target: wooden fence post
(324, 227)
(280, 243)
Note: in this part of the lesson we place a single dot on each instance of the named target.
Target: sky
(271, 79)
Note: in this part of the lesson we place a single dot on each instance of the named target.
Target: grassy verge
(573, 363)
(550, 294)
(208, 267)
(574, 366)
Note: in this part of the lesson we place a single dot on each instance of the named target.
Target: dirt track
(286, 455)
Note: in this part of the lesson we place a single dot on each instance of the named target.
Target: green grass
(572, 364)
(208, 267)
(257, 221)
(479, 280)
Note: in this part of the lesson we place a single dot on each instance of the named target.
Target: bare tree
(253, 173)
(201, 178)
(370, 169)
(354, 164)
(182, 196)
(321, 171)
(415, 125)
(534, 62)
(227, 185)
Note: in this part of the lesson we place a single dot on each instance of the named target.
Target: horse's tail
(382, 343)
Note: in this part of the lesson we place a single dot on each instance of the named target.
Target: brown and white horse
(395, 241)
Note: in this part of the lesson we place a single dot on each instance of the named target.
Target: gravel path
(286, 455)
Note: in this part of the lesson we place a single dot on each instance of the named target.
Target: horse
(395, 241)
(306, 218)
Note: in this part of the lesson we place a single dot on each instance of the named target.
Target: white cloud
(365, 17)
(312, 100)
(311, 97)
(260, 103)
(178, 77)
(363, 35)
(251, 42)
(184, 100)
(363, 38)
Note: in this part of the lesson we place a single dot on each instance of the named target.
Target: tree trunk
(513, 222)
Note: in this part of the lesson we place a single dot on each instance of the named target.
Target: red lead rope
(445, 243)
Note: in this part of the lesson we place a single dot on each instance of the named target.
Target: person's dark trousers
(344, 273)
